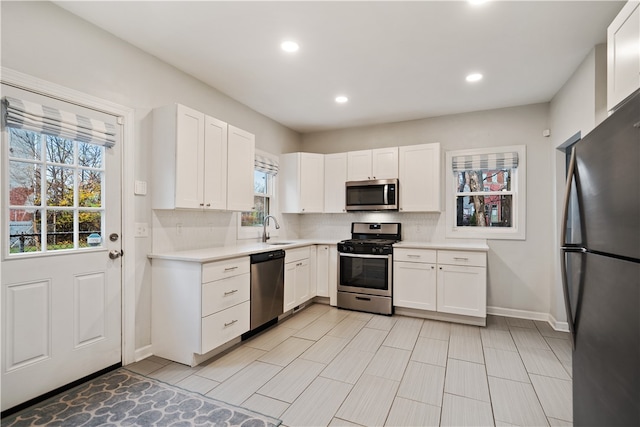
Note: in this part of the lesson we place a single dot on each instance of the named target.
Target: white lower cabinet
(297, 278)
(441, 281)
(198, 307)
(462, 283)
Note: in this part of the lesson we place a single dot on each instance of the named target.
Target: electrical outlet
(142, 229)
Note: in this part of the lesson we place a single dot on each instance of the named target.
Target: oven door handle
(364, 256)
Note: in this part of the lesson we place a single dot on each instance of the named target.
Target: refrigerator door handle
(568, 248)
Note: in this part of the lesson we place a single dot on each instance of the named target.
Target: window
(55, 178)
(486, 193)
(264, 178)
(55, 193)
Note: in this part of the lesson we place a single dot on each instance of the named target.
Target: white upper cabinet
(623, 54)
(197, 161)
(240, 164)
(215, 163)
(301, 178)
(419, 178)
(380, 163)
(335, 176)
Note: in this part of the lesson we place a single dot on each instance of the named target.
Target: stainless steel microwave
(373, 195)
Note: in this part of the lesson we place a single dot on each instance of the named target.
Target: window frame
(253, 232)
(518, 191)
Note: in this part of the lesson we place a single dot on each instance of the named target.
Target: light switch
(140, 188)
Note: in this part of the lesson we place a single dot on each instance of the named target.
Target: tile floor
(325, 366)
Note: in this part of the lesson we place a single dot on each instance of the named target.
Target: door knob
(115, 254)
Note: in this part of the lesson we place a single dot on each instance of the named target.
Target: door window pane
(89, 188)
(59, 186)
(24, 144)
(90, 226)
(24, 183)
(59, 230)
(24, 230)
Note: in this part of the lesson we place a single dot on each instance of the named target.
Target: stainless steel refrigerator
(601, 270)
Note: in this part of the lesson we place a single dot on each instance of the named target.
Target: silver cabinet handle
(231, 268)
(414, 256)
(230, 323)
(459, 258)
(230, 292)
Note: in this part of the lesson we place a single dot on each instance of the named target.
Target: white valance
(492, 161)
(266, 165)
(51, 121)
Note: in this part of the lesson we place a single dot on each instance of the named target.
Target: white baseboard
(143, 352)
(529, 315)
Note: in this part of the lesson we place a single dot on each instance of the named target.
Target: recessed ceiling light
(341, 99)
(475, 77)
(289, 46)
(477, 2)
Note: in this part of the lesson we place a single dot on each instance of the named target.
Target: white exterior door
(61, 265)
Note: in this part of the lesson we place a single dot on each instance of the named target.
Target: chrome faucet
(265, 236)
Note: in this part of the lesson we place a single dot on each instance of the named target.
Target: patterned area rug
(124, 398)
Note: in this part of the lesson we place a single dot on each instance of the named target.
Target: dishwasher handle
(267, 256)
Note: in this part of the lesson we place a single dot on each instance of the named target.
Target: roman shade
(34, 117)
(266, 165)
(492, 161)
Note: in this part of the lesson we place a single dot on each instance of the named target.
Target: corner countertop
(246, 249)
(226, 252)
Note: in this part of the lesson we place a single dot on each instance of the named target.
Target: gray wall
(45, 41)
(519, 271)
(578, 107)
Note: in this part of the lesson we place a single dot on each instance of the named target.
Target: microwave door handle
(386, 194)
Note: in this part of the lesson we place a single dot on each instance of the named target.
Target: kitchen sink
(279, 243)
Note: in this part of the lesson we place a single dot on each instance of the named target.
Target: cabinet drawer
(221, 269)
(477, 259)
(415, 255)
(296, 254)
(224, 293)
(224, 326)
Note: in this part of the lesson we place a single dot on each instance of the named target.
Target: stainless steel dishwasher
(267, 287)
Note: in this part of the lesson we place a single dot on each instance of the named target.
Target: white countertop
(226, 252)
(453, 246)
(245, 249)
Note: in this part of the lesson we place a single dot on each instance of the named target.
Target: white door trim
(34, 84)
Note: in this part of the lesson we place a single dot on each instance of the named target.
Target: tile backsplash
(176, 230)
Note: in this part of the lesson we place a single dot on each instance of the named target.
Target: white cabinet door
(215, 164)
(189, 155)
(414, 285)
(333, 275)
(462, 290)
(419, 178)
(335, 176)
(359, 165)
(322, 271)
(301, 179)
(623, 54)
(303, 282)
(379, 163)
(384, 163)
(311, 182)
(240, 164)
(289, 286)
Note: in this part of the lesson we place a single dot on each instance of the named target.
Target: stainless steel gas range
(365, 267)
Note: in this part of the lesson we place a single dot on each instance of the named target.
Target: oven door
(365, 274)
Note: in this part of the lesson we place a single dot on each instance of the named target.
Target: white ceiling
(394, 60)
